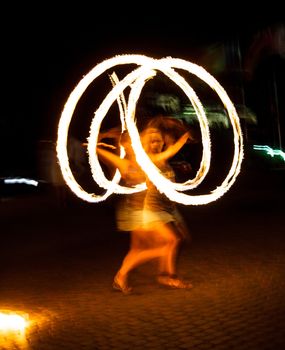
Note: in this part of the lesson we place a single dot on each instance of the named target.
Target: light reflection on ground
(15, 327)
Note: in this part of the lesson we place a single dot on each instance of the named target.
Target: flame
(13, 327)
(136, 80)
(13, 321)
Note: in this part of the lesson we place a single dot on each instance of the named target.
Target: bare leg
(143, 247)
(167, 263)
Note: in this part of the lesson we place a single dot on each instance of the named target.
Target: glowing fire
(12, 322)
(136, 80)
(13, 327)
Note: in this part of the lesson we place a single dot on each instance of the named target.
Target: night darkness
(66, 265)
(47, 50)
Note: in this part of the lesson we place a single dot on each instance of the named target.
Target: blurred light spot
(270, 151)
(10, 321)
(21, 181)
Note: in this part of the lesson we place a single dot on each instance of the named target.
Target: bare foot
(174, 282)
(120, 285)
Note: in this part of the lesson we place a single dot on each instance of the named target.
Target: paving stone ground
(57, 265)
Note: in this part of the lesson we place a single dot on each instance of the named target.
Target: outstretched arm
(113, 133)
(110, 158)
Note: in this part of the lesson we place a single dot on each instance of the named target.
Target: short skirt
(128, 219)
(151, 217)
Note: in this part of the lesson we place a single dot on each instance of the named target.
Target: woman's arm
(113, 133)
(110, 158)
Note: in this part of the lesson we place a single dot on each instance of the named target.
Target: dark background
(47, 48)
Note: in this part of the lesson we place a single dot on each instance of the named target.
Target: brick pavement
(58, 264)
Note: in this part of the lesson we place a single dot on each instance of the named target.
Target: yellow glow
(13, 326)
(136, 80)
(13, 322)
(16, 327)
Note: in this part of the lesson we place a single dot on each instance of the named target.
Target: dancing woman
(160, 214)
(152, 234)
(129, 214)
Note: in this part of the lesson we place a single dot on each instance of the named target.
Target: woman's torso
(155, 200)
